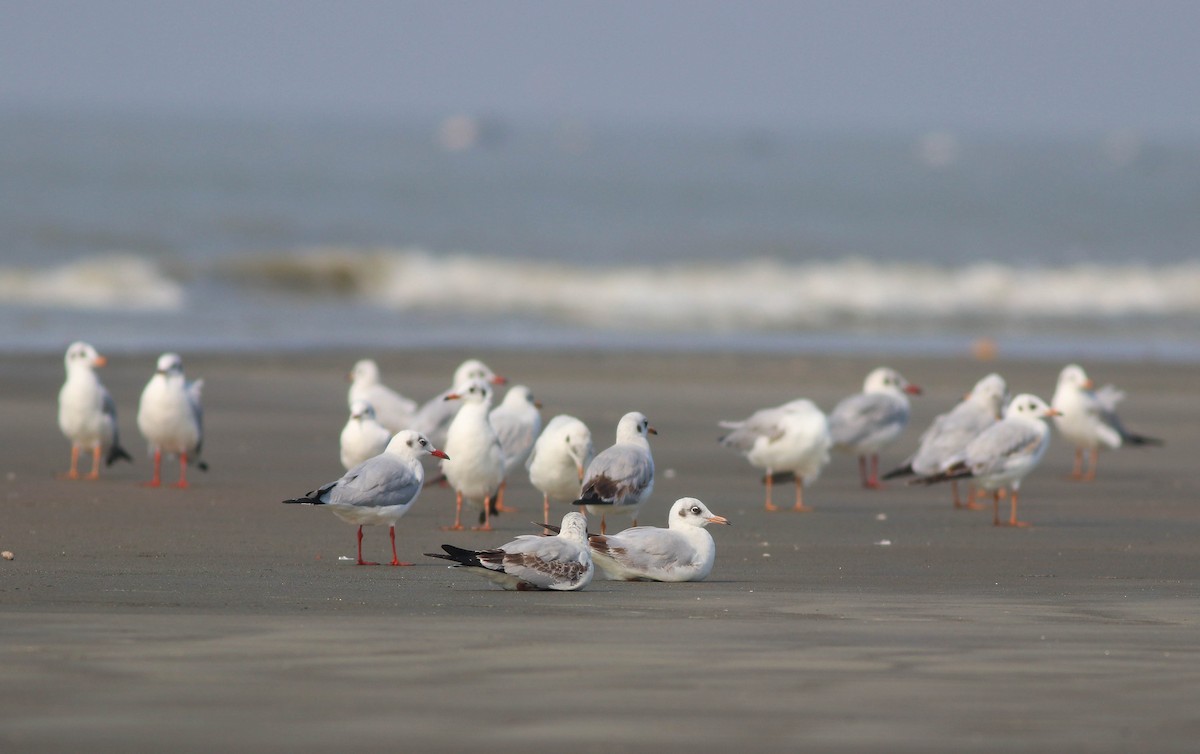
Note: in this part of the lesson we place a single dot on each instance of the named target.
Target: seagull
(684, 551)
(477, 468)
(363, 437)
(788, 441)
(434, 416)
(170, 417)
(531, 561)
(517, 421)
(379, 490)
(1088, 419)
(1003, 454)
(87, 414)
(558, 460)
(392, 410)
(950, 432)
(867, 422)
(621, 477)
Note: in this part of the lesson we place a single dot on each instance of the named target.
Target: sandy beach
(217, 618)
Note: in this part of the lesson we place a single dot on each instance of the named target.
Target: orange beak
(498, 380)
(1052, 412)
(718, 520)
(912, 389)
(651, 431)
(1088, 384)
(452, 397)
(100, 361)
(439, 454)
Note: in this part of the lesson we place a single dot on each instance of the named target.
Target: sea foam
(104, 282)
(750, 294)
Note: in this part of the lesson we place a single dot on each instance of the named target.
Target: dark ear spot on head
(410, 443)
(683, 512)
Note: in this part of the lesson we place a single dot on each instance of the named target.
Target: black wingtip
(905, 470)
(202, 465)
(1143, 440)
(303, 501)
(117, 453)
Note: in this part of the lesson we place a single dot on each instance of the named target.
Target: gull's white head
(520, 395)
(474, 369)
(365, 372)
(362, 410)
(411, 443)
(991, 391)
(634, 425)
(81, 355)
(1029, 406)
(574, 528)
(1073, 375)
(169, 364)
(688, 511)
(475, 391)
(886, 379)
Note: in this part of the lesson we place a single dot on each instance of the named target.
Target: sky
(1010, 67)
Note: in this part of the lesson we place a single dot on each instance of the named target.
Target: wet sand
(215, 617)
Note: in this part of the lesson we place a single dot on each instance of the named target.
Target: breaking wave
(118, 282)
(751, 294)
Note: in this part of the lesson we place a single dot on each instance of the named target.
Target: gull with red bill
(867, 422)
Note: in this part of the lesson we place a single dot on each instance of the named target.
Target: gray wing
(515, 436)
(858, 416)
(949, 435)
(194, 391)
(764, 423)
(1001, 447)
(545, 562)
(375, 483)
(646, 549)
(618, 472)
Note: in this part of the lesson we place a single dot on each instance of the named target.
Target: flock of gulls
(988, 441)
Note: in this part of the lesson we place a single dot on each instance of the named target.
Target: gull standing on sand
(363, 437)
(867, 422)
(788, 442)
(1004, 453)
(1087, 419)
(392, 410)
(950, 432)
(517, 422)
(87, 414)
(379, 490)
(475, 468)
(531, 561)
(621, 477)
(558, 459)
(171, 418)
(433, 418)
(684, 551)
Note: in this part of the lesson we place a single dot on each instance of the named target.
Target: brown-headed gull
(87, 414)
(684, 551)
(171, 418)
(517, 422)
(788, 441)
(379, 490)
(434, 416)
(392, 410)
(1088, 419)
(1003, 454)
(363, 437)
(558, 460)
(867, 422)
(475, 468)
(531, 561)
(949, 433)
(621, 477)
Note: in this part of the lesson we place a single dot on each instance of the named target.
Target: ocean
(149, 233)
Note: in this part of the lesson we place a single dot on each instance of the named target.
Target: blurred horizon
(1000, 68)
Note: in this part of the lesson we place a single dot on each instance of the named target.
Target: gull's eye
(695, 510)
